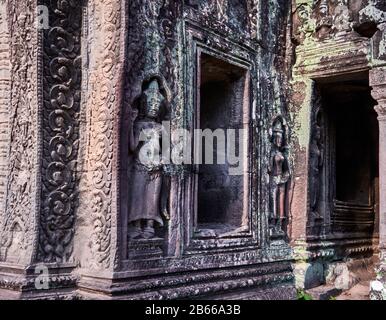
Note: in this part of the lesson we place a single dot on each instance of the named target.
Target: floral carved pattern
(61, 83)
(103, 105)
(5, 87)
(20, 215)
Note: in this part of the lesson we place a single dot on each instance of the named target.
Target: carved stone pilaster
(378, 83)
(18, 230)
(19, 226)
(61, 75)
(5, 98)
(103, 101)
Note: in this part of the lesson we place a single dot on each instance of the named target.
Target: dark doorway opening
(223, 104)
(351, 158)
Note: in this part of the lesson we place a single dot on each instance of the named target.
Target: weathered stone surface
(5, 98)
(75, 196)
(18, 221)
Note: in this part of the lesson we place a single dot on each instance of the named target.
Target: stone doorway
(343, 224)
(348, 133)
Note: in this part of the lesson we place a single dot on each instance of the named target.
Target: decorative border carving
(19, 221)
(61, 77)
(22, 283)
(105, 80)
(199, 283)
(5, 99)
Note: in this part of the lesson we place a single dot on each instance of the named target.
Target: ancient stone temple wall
(81, 216)
(79, 88)
(338, 46)
(164, 42)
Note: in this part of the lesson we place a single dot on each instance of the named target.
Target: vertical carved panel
(106, 63)
(61, 86)
(19, 221)
(316, 160)
(4, 103)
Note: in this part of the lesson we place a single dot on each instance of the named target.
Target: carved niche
(316, 155)
(323, 18)
(150, 79)
(279, 178)
(147, 177)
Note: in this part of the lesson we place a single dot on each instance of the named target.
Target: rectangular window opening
(221, 190)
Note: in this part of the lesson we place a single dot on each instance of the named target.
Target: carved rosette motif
(103, 105)
(19, 219)
(61, 83)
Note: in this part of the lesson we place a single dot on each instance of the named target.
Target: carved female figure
(279, 177)
(147, 168)
(316, 163)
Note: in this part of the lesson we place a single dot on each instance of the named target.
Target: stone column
(378, 83)
(97, 238)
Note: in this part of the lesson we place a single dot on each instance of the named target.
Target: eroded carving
(305, 25)
(279, 172)
(323, 19)
(316, 158)
(342, 17)
(147, 172)
(21, 183)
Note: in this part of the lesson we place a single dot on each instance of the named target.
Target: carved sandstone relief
(61, 83)
(279, 172)
(328, 19)
(151, 78)
(316, 157)
(103, 103)
(304, 25)
(226, 15)
(19, 221)
(147, 178)
(342, 17)
(5, 99)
